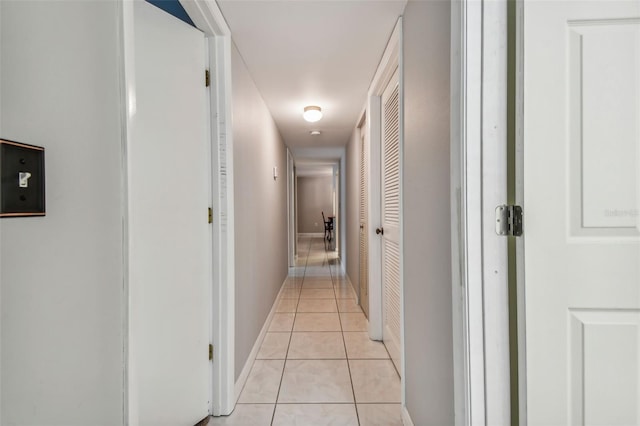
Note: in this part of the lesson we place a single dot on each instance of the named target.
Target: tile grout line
(346, 353)
(290, 335)
(312, 261)
(365, 359)
(286, 355)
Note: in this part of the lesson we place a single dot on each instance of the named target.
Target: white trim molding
(291, 214)
(208, 18)
(384, 72)
(406, 418)
(458, 259)
(390, 64)
(127, 87)
(478, 185)
(244, 374)
(494, 193)
(520, 293)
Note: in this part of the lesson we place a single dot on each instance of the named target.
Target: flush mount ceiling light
(312, 113)
(314, 132)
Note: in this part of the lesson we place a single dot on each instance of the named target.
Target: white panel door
(169, 193)
(391, 251)
(581, 205)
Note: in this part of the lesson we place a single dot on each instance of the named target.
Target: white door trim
(494, 192)
(465, 113)
(479, 256)
(291, 225)
(209, 19)
(291, 199)
(519, 186)
(386, 68)
(391, 60)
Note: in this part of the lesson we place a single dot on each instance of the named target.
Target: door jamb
(519, 187)
(363, 142)
(479, 173)
(291, 226)
(386, 68)
(468, 351)
(390, 62)
(208, 18)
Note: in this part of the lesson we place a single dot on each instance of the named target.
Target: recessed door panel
(581, 245)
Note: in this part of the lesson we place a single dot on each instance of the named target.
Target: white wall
(428, 341)
(427, 215)
(315, 195)
(62, 275)
(260, 210)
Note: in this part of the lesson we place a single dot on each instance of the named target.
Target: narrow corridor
(317, 365)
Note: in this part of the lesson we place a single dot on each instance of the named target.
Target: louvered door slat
(391, 180)
(364, 255)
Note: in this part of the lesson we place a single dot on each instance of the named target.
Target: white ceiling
(317, 162)
(310, 52)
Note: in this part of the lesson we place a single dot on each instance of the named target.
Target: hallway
(317, 365)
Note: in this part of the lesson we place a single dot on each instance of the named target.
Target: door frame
(391, 60)
(291, 223)
(478, 185)
(363, 139)
(388, 64)
(519, 198)
(208, 18)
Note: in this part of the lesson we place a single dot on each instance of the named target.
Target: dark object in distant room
(328, 227)
(22, 172)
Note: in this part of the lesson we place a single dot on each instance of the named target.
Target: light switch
(22, 171)
(23, 179)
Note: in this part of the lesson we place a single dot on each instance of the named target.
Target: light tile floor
(317, 365)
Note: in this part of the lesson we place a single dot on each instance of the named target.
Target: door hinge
(210, 215)
(509, 220)
(207, 78)
(210, 352)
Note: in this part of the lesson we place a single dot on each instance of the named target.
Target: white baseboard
(357, 293)
(311, 234)
(244, 375)
(406, 418)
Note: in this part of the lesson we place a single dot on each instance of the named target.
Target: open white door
(581, 206)
(390, 229)
(169, 235)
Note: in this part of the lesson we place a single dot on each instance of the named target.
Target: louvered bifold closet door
(391, 219)
(364, 254)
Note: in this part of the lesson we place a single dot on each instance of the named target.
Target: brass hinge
(210, 215)
(210, 352)
(207, 78)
